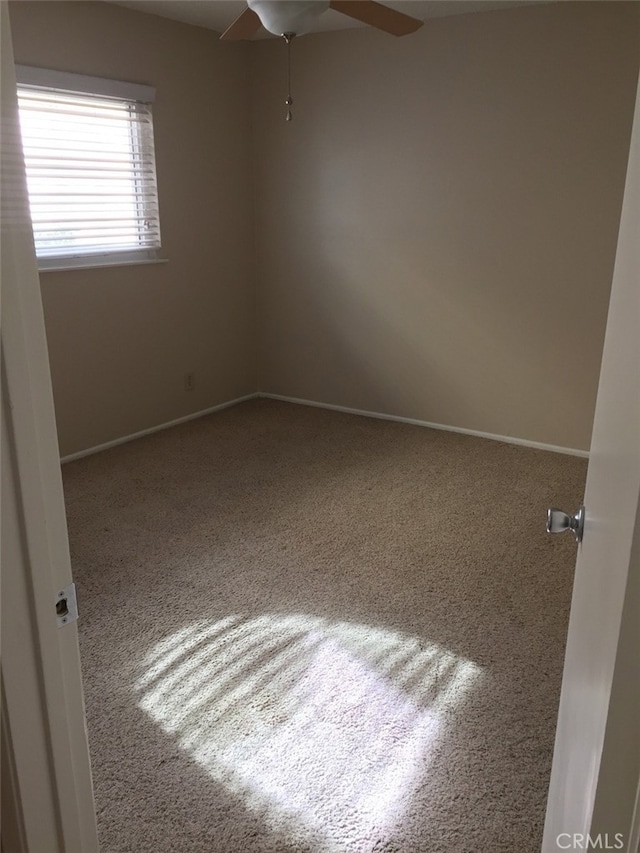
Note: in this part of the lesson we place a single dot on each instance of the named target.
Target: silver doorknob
(558, 521)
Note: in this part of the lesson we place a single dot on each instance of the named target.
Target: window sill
(98, 265)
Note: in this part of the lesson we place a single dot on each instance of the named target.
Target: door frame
(49, 793)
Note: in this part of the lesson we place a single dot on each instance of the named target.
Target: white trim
(66, 81)
(126, 438)
(569, 451)
(634, 833)
(507, 439)
(13, 829)
(94, 265)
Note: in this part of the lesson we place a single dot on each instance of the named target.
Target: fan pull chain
(288, 37)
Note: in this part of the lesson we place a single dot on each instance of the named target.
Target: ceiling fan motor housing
(288, 16)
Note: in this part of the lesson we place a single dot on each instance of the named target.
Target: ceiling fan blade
(377, 15)
(244, 26)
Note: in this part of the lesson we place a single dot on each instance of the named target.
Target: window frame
(66, 82)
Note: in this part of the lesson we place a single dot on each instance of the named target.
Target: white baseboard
(347, 410)
(570, 451)
(125, 438)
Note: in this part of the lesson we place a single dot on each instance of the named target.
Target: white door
(596, 763)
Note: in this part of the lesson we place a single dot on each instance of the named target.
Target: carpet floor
(305, 631)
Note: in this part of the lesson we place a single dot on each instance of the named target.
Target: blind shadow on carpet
(323, 727)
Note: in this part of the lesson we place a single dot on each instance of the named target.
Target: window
(90, 162)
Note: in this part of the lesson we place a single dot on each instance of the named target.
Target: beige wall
(434, 232)
(121, 339)
(436, 228)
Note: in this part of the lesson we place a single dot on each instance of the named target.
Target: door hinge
(66, 605)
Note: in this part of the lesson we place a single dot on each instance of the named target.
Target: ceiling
(219, 14)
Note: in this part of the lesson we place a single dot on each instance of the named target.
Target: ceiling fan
(295, 17)
(291, 18)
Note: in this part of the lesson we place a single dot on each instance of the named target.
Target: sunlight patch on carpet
(325, 728)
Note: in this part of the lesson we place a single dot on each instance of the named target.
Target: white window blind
(91, 177)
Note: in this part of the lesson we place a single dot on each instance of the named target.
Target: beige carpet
(308, 631)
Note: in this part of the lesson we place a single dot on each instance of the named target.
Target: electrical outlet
(189, 381)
